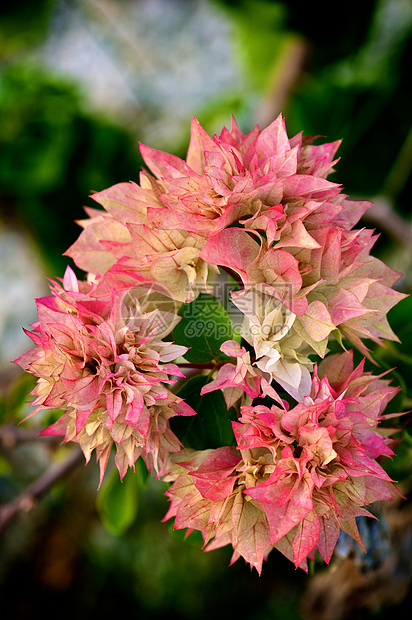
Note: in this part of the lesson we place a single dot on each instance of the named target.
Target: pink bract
(298, 476)
(255, 210)
(260, 205)
(103, 363)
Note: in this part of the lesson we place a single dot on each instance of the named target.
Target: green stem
(198, 366)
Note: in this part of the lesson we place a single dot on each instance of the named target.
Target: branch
(287, 71)
(382, 214)
(26, 500)
(12, 436)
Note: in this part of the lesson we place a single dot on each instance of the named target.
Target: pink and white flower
(207, 494)
(105, 364)
(240, 380)
(259, 206)
(299, 475)
(281, 354)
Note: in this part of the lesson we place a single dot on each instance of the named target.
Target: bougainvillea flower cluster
(103, 363)
(129, 352)
(297, 476)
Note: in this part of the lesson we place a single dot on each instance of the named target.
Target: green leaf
(211, 427)
(204, 327)
(117, 502)
(142, 474)
(399, 317)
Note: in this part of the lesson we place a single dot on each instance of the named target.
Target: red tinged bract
(253, 220)
(259, 205)
(104, 364)
(298, 476)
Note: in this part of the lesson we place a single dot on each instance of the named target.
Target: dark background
(81, 84)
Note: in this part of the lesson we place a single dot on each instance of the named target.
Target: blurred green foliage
(53, 154)
(363, 98)
(259, 37)
(355, 85)
(117, 501)
(23, 23)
